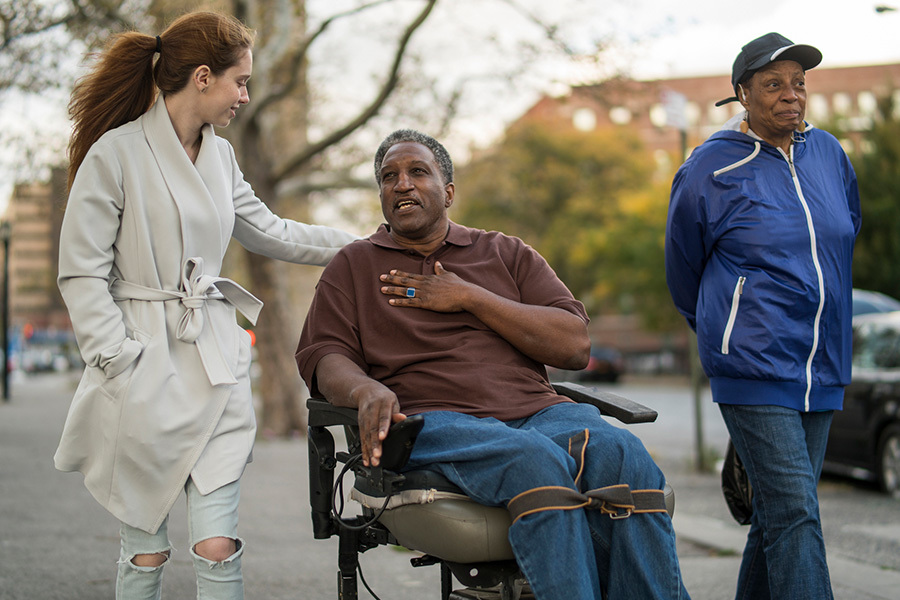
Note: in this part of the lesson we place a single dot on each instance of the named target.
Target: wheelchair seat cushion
(428, 513)
(452, 529)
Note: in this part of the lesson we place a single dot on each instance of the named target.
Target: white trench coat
(165, 393)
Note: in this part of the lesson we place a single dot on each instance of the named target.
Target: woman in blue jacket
(759, 243)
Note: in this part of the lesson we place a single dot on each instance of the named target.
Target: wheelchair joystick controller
(399, 442)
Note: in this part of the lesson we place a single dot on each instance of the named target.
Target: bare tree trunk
(262, 144)
(279, 386)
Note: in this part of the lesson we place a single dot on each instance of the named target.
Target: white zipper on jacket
(735, 301)
(819, 277)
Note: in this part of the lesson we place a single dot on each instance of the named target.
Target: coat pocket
(116, 385)
(732, 315)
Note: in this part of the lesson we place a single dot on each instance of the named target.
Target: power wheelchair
(421, 510)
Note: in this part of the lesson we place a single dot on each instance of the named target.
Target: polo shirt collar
(457, 236)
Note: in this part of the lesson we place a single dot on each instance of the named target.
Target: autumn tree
(587, 202)
(632, 248)
(876, 260)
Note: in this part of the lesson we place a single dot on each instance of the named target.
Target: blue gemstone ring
(410, 292)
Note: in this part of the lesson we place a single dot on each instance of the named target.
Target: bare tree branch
(296, 59)
(36, 37)
(550, 31)
(20, 20)
(369, 111)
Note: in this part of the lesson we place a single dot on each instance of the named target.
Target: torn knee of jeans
(239, 550)
(130, 560)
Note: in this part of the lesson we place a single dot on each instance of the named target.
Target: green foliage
(634, 258)
(876, 263)
(587, 203)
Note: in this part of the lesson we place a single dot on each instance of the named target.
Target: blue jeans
(782, 450)
(565, 554)
(213, 515)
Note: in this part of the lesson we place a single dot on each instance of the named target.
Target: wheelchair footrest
(489, 594)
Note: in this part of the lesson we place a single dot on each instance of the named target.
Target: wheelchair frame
(364, 532)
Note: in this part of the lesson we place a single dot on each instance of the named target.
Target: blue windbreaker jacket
(759, 245)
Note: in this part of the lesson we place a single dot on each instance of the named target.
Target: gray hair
(441, 156)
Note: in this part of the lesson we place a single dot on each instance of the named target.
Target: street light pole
(4, 315)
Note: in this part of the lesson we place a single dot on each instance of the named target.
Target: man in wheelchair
(429, 317)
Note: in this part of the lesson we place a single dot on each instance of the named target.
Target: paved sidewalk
(57, 543)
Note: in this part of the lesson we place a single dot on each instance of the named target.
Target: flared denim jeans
(565, 554)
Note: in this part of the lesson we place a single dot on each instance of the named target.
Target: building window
(867, 103)
(842, 104)
(692, 112)
(620, 115)
(817, 107)
(717, 114)
(584, 119)
(658, 115)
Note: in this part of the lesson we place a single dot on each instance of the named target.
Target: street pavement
(56, 543)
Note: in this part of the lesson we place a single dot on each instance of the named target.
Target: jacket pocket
(735, 304)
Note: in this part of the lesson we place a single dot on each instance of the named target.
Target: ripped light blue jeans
(213, 515)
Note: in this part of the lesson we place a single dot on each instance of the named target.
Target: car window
(876, 346)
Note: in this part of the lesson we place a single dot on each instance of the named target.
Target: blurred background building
(845, 97)
(40, 335)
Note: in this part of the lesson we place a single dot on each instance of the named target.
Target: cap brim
(807, 56)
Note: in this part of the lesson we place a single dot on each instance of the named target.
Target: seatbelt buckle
(616, 513)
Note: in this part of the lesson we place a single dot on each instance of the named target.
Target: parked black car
(605, 364)
(864, 441)
(865, 301)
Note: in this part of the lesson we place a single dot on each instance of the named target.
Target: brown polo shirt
(431, 360)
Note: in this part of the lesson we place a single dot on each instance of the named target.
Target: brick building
(39, 324)
(35, 214)
(843, 95)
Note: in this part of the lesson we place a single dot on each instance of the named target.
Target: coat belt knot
(198, 289)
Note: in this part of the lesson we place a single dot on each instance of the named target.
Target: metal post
(697, 393)
(697, 376)
(4, 316)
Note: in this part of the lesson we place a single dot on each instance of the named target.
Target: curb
(865, 581)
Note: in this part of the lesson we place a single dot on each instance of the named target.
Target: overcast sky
(699, 37)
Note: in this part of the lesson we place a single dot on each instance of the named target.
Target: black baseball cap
(764, 50)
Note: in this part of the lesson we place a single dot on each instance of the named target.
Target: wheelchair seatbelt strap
(618, 501)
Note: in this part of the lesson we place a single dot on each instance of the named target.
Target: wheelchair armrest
(323, 458)
(325, 414)
(623, 409)
(396, 446)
